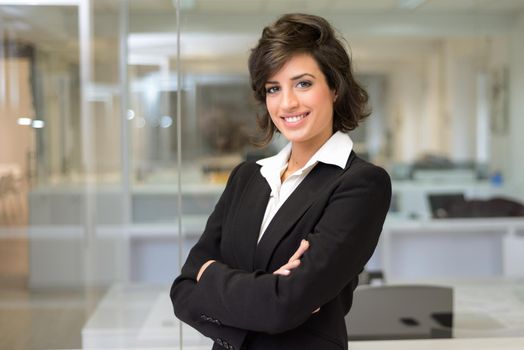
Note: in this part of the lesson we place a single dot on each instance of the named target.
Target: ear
(334, 94)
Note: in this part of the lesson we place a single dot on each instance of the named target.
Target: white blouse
(334, 151)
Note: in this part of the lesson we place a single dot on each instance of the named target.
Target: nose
(289, 100)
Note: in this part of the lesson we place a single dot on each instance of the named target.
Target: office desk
(412, 250)
(487, 308)
(432, 344)
(442, 344)
(139, 316)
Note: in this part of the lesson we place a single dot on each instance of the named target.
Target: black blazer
(239, 303)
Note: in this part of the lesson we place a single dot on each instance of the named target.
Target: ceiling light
(24, 121)
(38, 124)
(410, 4)
(166, 121)
(140, 123)
(41, 2)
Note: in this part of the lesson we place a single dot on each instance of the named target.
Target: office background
(120, 121)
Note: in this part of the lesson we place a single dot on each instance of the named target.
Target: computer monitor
(440, 203)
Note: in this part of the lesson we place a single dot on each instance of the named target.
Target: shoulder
(245, 169)
(363, 173)
(243, 172)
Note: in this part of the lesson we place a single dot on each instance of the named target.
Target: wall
(516, 110)
(16, 102)
(16, 141)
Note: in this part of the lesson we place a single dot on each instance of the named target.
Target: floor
(34, 319)
(44, 319)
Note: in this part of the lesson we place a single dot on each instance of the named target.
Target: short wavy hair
(299, 33)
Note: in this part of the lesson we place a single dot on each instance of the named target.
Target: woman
(280, 255)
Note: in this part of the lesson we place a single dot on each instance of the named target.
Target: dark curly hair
(299, 33)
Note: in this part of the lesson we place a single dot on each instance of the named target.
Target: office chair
(400, 312)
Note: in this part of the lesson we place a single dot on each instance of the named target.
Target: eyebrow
(300, 76)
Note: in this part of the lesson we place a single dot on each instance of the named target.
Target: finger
(282, 272)
(289, 266)
(203, 268)
(304, 245)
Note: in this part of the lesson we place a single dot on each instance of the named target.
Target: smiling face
(300, 102)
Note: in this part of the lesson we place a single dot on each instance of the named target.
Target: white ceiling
(158, 14)
(272, 6)
(358, 5)
(208, 24)
(373, 6)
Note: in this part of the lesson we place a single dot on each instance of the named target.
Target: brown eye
(272, 89)
(304, 84)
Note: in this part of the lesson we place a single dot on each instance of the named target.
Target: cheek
(323, 101)
(271, 107)
(326, 108)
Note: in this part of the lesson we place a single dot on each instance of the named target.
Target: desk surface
(141, 316)
(442, 344)
(433, 344)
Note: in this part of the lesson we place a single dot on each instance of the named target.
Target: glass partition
(63, 232)
(120, 122)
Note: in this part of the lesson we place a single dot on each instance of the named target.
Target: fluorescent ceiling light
(184, 4)
(410, 4)
(24, 121)
(140, 122)
(144, 47)
(41, 2)
(38, 124)
(166, 121)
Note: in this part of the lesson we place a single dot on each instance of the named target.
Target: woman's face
(300, 102)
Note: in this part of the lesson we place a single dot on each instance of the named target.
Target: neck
(299, 157)
(301, 153)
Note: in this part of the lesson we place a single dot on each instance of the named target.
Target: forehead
(296, 65)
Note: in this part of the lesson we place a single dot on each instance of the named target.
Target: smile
(295, 118)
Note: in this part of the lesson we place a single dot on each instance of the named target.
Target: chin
(296, 138)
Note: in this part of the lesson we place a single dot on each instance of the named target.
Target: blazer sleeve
(207, 248)
(340, 245)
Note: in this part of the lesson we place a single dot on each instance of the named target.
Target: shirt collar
(334, 151)
(272, 167)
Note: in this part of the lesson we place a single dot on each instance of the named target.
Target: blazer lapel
(291, 211)
(249, 216)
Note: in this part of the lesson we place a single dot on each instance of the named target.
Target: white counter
(450, 248)
(442, 344)
(431, 344)
(142, 316)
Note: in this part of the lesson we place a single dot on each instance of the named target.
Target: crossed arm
(284, 270)
(343, 240)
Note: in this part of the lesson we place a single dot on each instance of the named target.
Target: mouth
(292, 119)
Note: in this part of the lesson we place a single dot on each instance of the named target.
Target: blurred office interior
(121, 119)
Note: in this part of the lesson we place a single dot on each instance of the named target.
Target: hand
(294, 261)
(203, 268)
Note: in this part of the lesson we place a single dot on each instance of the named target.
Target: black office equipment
(442, 203)
(400, 312)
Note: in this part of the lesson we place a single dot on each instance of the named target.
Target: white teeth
(295, 119)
